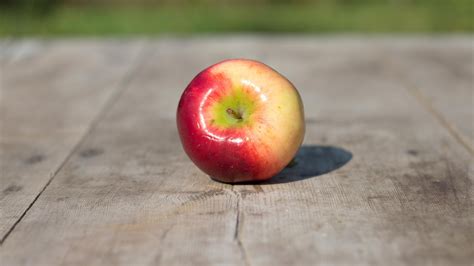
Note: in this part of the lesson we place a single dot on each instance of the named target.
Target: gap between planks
(426, 103)
(123, 85)
(416, 93)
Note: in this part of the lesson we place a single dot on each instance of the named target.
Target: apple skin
(239, 121)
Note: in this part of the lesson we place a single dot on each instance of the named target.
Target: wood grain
(441, 75)
(378, 181)
(405, 198)
(50, 94)
(12, 51)
(129, 195)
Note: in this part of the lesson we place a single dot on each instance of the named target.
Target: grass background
(148, 17)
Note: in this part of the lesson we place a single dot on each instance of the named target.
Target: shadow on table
(311, 161)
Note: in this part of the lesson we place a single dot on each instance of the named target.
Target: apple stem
(234, 114)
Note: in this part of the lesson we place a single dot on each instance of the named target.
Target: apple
(240, 120)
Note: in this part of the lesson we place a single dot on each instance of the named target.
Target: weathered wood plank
(12, 51)
(402, 192)
(441, 75)
(50, 94)
(404, 198)
(129, 195)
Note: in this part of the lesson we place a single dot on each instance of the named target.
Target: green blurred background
(154, 17)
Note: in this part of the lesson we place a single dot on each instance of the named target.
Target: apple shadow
(311, 161)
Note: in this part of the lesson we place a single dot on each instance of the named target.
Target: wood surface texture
(93, 173)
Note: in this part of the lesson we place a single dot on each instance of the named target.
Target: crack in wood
(239, 220)
(258, 188)
(163, 236)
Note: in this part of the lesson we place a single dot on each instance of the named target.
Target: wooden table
(93, 173)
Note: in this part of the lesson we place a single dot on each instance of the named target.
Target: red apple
(240, 120)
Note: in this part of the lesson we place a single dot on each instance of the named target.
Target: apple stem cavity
(234, 114)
